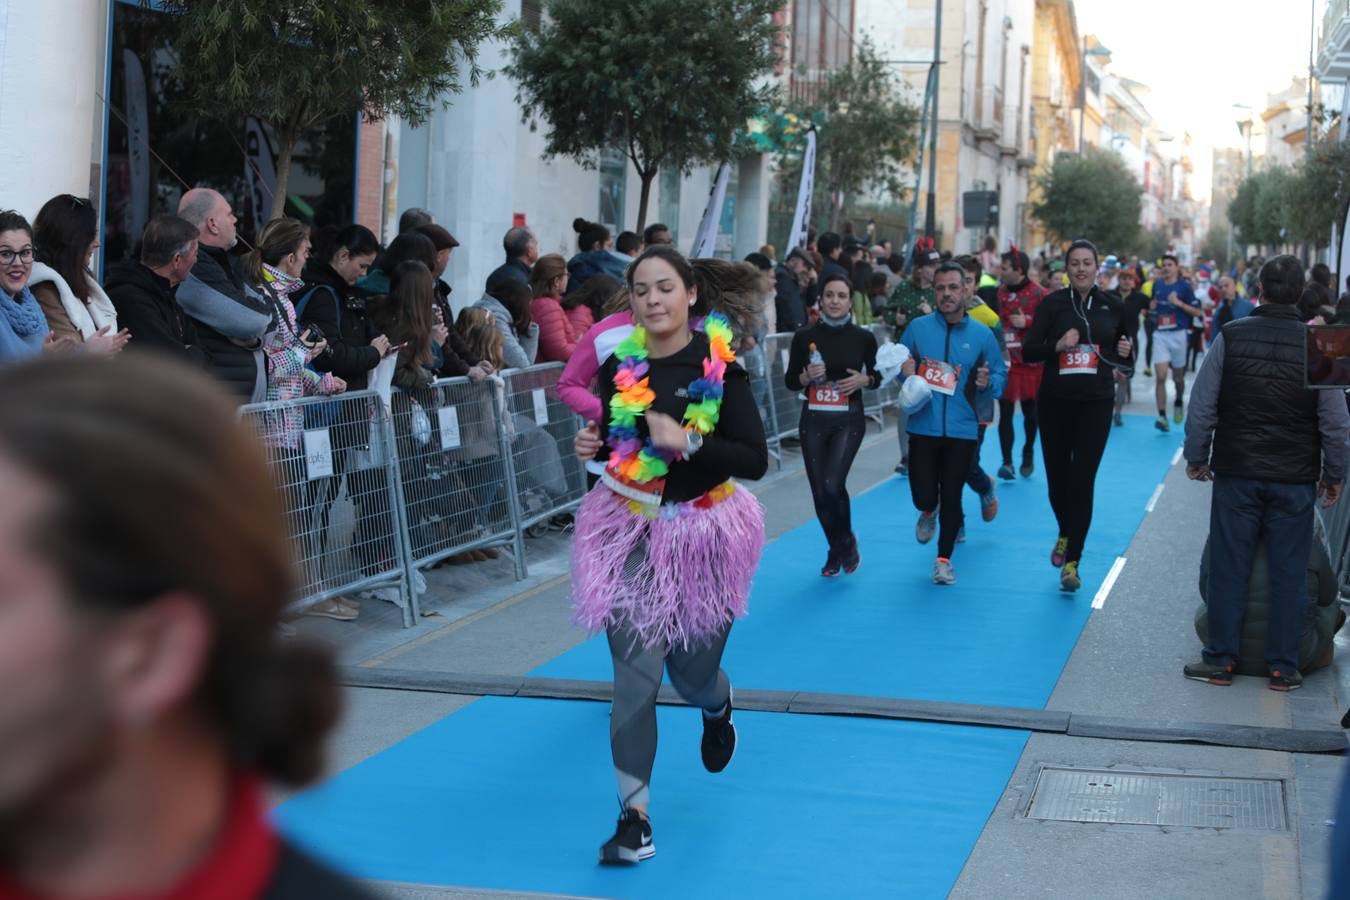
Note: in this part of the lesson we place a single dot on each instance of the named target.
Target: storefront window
(613, 179)
(668, 208)
(202, 150)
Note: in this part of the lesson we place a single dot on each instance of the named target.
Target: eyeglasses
(7, 256)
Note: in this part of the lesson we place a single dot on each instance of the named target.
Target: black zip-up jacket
(332, 305)
(1100, 320)
(146, 307)
(843, 348)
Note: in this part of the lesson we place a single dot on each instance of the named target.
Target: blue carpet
(518, 795)
(1000, 635)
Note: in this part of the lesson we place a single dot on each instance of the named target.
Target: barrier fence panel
(334, 464)
(452, 457)
(756, 366)
(787, 405)
(549, 481)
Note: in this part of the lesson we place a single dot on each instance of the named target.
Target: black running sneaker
(852, 559)
(1285, 681)
(832, 566)
(632, 841)
(1210, 673)
(719, 740)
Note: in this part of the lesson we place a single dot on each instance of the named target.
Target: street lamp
(1097, 50)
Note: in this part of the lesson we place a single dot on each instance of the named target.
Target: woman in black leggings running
(832, 361)
(1082, 336)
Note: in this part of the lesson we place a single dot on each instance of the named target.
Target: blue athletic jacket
(965, 346)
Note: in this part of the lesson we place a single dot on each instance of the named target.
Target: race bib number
(941, 376)
(1011, 341)
(826, 398)
(1081, 360)
(648, 493)
(1167, 320)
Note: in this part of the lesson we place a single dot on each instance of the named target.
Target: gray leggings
(697, 676)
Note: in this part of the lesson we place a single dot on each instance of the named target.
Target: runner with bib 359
(831, 362)
(957, 358)
(1083, 336)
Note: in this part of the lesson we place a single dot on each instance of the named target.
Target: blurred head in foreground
(144, 563)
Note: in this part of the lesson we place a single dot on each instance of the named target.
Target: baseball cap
(1111, 264)
(924, 256)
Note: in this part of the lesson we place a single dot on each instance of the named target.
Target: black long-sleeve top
(843, 348)
(736, 448)
(1100, 319)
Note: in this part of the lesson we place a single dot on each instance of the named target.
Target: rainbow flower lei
(633, 457)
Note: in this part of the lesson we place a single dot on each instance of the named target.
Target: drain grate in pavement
(1114, 797)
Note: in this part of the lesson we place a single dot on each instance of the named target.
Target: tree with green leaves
(1317, 193)
(669, 82)
(1092, 196)
(296, 63)
(1258, 210)
(868, 131)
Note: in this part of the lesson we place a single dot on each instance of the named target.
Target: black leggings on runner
(1073, 439)
(830, 441)
(1005, 428)
(697, 676)
(937, 475)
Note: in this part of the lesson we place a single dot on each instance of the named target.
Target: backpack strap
(303, 300)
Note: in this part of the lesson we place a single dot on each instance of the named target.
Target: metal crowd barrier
(549, 481)
(452, 456)
(374, 494)
(335, 466)
(1336, 522)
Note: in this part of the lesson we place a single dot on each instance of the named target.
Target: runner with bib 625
(831, 362)
(1083, 336)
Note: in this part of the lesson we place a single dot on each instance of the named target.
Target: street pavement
(1125, 666)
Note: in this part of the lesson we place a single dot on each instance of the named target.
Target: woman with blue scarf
(23, 327)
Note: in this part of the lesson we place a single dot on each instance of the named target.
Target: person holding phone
(1082, 335)
(831, 362)
(1271, 447)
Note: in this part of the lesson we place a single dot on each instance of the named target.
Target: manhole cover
(1141, 798)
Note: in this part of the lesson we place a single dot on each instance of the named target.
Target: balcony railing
(1336, 10)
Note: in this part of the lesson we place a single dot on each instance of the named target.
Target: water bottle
(816, 360)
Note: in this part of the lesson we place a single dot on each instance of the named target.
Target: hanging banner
(801, 220)
(260, 171)
(138, 147)
(705, 241)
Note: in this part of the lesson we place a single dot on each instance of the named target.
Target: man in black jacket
(143, 292)
(788, 277)
(230, 317)
(522, 251)
(1271, 446)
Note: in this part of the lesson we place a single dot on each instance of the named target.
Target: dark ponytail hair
(195, 511)
(590, 235)
(731, 288)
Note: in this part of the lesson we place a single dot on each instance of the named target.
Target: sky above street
(1202, 56)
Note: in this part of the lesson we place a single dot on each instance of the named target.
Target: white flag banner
(138, 145)
(705, 241)
(801, 220)
(260, 171)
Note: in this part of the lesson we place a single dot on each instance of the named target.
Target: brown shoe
(490, 552)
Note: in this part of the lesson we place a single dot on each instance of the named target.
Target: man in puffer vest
(1271, 447)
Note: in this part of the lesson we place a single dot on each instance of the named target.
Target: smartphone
(1327, 357)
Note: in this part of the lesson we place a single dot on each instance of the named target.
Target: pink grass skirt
(675, 579)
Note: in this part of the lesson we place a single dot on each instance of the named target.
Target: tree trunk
(647, 176)
(288, 141)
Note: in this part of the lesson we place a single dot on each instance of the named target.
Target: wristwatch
(693, 443)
